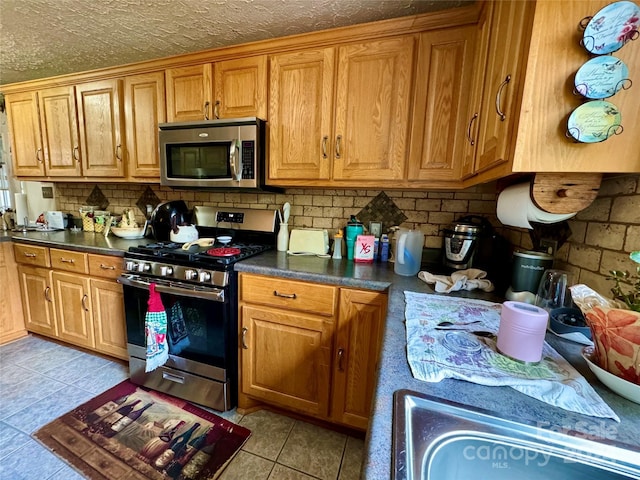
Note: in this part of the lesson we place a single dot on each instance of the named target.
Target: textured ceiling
(43, 38)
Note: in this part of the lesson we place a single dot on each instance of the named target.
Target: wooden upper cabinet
(189, 92)
(443, 82)
(240, 88)
(58, 120)
(548, 100)
(373, 97)
(301, 115)
(144, 109)
(504, 78)
(100, 120)
(24, 125)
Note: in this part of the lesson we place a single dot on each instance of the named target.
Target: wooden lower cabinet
(11, 316)
(286, 358)
(358, 337)
(73, 308)
(37, 300)
(109, 328)
(77, 301)
(321, 364)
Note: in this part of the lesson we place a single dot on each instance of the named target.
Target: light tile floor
(40, 380)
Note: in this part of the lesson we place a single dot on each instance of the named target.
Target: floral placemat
(437, 354)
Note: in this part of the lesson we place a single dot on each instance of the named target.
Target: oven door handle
(214, 294)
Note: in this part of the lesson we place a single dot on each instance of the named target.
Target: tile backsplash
(601, 238)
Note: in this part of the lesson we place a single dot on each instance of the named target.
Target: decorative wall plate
(612, 27)
(602, 77)
(594, 122)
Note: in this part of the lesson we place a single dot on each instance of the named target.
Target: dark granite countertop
(81, 241)
(394, 372)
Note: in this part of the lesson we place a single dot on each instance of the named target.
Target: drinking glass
(553, 289)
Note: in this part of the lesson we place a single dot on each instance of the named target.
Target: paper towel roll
(515, 208)
(22, 208)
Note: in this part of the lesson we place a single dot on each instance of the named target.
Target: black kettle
(174, 212)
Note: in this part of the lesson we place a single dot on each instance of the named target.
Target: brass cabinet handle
(76, 154)
(205, 110)
(338, 142)
(216, 110)
(284, 295)
(244, 336)
(38, 155)
(107, 267)
(30, 255)
(325, 139)
(47, 294)
(84, 305)
(67, 260)
(341, 359)
(119, 152)
(498, 98)
(473, 119)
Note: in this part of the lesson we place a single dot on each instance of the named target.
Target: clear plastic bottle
(337, 245)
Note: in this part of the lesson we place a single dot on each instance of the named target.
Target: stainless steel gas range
(199, 292)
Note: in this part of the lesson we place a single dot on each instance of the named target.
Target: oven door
(199, 321)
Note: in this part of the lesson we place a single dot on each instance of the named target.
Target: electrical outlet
(549, 245)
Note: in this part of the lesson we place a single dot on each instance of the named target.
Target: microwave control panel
(248, 155)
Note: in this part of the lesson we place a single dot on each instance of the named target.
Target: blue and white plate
(594, 121)
(602, 77)
(612, 27)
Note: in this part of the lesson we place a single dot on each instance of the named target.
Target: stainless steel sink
(439, 440)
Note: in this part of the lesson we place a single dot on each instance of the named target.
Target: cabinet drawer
(105, 266)
(289, 294)
(32, 255)
(69, 261)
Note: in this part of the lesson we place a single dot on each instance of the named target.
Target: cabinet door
(471, 128)
(360, 326)
(300, 115)
(372, 110)
(503, 82)
(37, 300)
(11, 315)
(100, 118)
(59, 123)
(144, 109)
(443, 80)
(73, 308)
(240, 88)
(188, 93)
(26, 143)
(107, 304)
(286, 359)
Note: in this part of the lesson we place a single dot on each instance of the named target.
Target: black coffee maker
(162, 217)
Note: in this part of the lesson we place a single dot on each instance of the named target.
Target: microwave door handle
(235, 160)
(213, 294)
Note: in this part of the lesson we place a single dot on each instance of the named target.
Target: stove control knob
(190, 274)
(130, 266)
(205, 276)
(144, 267)
(166, 271)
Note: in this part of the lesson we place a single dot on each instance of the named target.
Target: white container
(186, 233)
(522, 330)
(283, 238)
(408, 252)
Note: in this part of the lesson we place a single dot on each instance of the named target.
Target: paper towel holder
(565, 192)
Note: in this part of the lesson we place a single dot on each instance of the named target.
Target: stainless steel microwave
(226, 153)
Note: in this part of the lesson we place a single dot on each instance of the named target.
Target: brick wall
(602, 235)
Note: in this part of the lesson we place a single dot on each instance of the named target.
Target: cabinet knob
(284, 295)
(499, 98)
(341, 359)
(244, 337)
